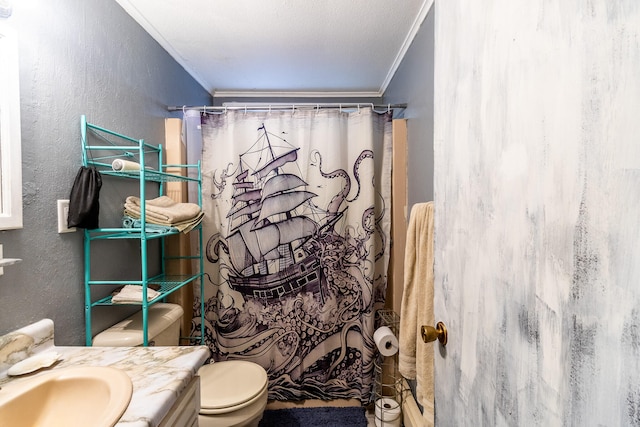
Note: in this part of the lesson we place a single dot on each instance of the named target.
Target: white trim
(10, 138)
(411, 415)
(287, 94)
(422, 14)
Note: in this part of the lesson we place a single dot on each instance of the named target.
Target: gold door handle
(429, 333)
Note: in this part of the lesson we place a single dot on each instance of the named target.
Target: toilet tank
(163, 328)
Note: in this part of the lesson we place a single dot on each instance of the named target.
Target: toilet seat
(231, 385)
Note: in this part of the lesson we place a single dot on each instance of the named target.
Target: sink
(77, 396)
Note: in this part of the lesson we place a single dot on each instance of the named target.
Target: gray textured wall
(537, 190)
(78, 57)
(413, 84)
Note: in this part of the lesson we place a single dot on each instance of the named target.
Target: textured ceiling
(284, 47)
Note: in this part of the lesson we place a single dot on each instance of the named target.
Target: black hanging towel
(83, 201)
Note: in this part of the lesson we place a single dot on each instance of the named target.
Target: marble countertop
(158, 374)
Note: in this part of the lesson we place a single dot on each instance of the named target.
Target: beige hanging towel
(416, 358)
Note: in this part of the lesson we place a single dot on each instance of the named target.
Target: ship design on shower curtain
(272, 247)
(294, 259)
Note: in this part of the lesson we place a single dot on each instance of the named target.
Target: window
(10, 144)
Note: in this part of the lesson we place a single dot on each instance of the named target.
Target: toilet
(232, 393)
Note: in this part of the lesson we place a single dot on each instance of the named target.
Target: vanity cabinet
(184, 411)
(100, 148)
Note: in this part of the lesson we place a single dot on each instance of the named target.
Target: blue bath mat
(324, 416)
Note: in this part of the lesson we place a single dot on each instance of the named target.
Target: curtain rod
(286, 106)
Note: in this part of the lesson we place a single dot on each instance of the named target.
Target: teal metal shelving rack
(100, 147)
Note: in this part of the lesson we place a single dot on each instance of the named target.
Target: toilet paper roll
(120, 165)
(386, 342)
(387, 413)
(394, 423)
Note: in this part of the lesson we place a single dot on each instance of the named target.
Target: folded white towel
(163, 210)
(183, 226)
(133, 294)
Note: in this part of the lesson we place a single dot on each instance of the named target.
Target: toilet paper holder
(429, 333)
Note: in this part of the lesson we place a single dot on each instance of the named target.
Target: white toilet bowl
(233, 394)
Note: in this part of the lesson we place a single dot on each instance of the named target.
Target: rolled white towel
(120, 165)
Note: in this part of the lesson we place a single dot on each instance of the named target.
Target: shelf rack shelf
(100, 146)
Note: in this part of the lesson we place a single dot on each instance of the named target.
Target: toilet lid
(230, 383)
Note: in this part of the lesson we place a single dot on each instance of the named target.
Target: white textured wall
(537, 190)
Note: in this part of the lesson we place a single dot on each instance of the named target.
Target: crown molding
(291, 94)
(422, 14)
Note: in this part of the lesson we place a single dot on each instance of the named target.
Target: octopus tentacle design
(366, 154)
(221, 184)
(382, 237)
(343, 348)
(379, 230)
(373, 226)
(212, 250)
(337, 200)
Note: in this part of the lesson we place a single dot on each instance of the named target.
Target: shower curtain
(297, 208)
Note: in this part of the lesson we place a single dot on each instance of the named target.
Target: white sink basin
(79, 396)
